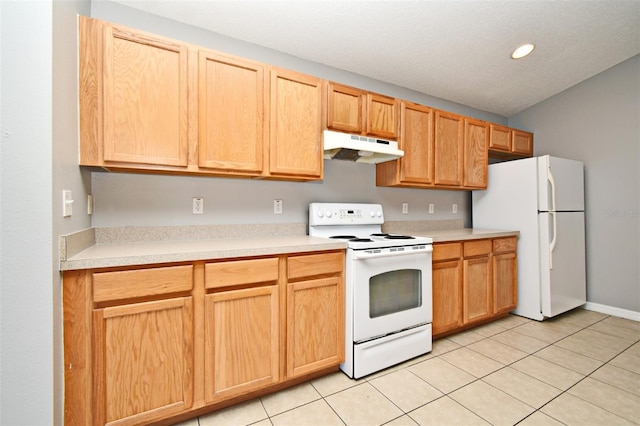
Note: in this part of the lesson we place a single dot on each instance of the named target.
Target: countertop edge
(121, 255)
(465, 234)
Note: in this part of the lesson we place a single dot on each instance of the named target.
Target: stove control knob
(329, 213)
(379, 214)
(372, 213)
(320, 213)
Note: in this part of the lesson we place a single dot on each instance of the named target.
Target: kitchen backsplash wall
(154, 200)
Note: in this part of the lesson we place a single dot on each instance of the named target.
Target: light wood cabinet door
(499, 138)
(476, 156)
(522, 143)
(448, 149)
(296, 149)
(145, 105)
(231, 106)
(357, 111)
(143, 361)
(477, 289)
(241, 341)
(505, 282)
(315, 325)
(447, 296)
(344, 108)
(416, 140)
(382, 116)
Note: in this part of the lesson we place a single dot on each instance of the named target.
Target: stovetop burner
(343, 237)
(393, 236)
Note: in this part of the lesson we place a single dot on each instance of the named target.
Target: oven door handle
(365, 254)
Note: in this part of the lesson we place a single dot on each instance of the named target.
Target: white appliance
(387, 287)
(358, 148)
(543, 198)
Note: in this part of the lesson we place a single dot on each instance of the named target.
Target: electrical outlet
(405, 208)
(454, 209)
(431, 207)
(277, 206)
(198, 205)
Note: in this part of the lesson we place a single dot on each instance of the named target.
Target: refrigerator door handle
(552, 182)
(552, 244)
(552, 211)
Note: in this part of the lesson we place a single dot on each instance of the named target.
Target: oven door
(391, 290)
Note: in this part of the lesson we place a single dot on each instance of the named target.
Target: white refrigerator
(543, 198)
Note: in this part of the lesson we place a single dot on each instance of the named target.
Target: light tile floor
(581, 368)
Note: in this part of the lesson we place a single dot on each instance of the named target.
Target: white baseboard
(611, 310)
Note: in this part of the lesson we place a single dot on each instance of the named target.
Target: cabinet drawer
(501, 245)
(447, 251)
(477, 248)
(141, 282)
(315, 264)
(238, 272)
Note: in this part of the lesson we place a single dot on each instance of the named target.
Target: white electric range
(388, 297)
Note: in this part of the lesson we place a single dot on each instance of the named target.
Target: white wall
(26, 308)
(39, 152)
(598, 122)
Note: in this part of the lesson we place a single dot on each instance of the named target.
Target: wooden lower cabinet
(505, 273)
(315, 313)
(447, 296)
(241, 341)
(477, 300)
(147, 344)
(143, 361)
(473, 282)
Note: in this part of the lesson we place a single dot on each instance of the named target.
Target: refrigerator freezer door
(562, 270)
(561, 184)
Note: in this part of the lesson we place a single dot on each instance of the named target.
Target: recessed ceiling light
(522, 51)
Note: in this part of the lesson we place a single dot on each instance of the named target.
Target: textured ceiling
(453, 49)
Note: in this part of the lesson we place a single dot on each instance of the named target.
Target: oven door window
(395, 291)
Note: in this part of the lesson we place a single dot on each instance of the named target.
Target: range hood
(359, 149)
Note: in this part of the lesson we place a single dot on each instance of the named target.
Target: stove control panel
(345, 214)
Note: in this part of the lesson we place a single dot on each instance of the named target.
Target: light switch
(67, 203)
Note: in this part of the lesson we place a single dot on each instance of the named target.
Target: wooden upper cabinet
(295, 150)
(415, 168)
(382, 116)
(499, 138)
(344, 108)
(448, 148)
(505, 142)
(144, 99)
(357, 111)
(522, 143)
(416, 140)
(476, 141)
(231, 104)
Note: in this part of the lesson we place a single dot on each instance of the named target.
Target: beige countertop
(144, 253)
(104, 248)
(441, 236)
